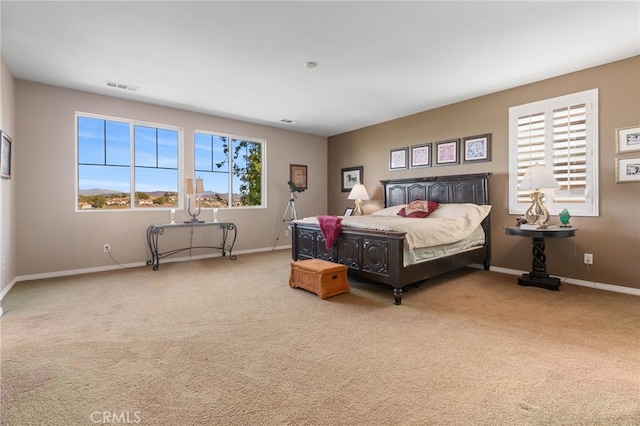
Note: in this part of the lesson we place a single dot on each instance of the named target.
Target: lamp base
(537, 213)
(357, 211)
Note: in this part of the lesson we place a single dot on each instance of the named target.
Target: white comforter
(448, 224)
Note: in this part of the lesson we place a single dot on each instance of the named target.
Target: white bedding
(477, 238)
(448, 224)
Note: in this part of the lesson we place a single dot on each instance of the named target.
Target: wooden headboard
(471, 188)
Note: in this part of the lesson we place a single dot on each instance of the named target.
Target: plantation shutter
(560, 134)
(570, 153)
(531, 147)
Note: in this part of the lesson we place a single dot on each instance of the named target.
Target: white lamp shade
(358, 192)
(538, 178)
(188, 186)
(199, 186)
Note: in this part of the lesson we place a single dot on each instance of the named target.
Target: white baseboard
(7, 288)
(583, 283)
(70, 272)
(31, 277)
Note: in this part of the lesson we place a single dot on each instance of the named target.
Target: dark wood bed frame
(378, 256)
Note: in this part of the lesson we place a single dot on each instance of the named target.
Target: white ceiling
(376, 60)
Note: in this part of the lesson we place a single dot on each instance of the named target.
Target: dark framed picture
(298, 175)
(398, 159)
(420, 155)
(476, 148)
(348, 211)
(447, 152)
(351, 176)
(5, 156)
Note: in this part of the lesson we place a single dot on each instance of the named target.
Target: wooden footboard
(374, 255)
(378, 256)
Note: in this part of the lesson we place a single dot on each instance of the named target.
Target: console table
(538, 276)
(154, 231)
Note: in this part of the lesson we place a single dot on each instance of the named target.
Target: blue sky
(104, 157)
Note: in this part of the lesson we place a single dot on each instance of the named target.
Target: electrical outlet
(588, 259)
(286, 233)
(107, 248)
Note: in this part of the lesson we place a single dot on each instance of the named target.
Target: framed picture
(298, 175)
(447, 152)
(398, 159)
(348, 211)
(476, 148)
(628, 169)
(5, 156)
(628, 139)
(351, 176)
(420, 155)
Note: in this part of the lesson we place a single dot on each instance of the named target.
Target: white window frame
(263, 177)
(590, 205)
(132, 166)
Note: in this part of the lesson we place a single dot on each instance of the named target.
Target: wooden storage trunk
(324, 278)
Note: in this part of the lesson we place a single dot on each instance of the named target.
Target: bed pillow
(418, 208)
(389, 211)
(467, 210)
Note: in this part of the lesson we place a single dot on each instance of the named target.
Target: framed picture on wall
(476, 148)
(628, 169)
(420, 155)
(628, 139)
(5, 156)
(447, 152)
(398, 159)
(351, 176)
(298, 175)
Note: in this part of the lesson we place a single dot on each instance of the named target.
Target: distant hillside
(101, 191)
(98, 191)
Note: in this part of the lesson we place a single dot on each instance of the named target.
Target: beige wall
(52, 237)
(8, 258)
(613, 237)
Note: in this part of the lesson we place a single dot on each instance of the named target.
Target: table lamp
(538, 178)
(189, 191)
(358, 193)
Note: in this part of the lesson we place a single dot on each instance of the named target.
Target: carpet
(221, 342)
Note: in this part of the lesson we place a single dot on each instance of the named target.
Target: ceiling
(246, 60)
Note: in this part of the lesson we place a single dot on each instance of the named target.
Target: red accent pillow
(418, 208)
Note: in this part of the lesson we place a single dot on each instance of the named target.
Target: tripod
(291, 208)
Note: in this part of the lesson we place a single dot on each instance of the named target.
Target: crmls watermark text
(114, 417)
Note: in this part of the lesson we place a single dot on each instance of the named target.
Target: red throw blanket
(330, 227)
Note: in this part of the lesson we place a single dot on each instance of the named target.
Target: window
(231, 169)
(120, 161)
(561, 134)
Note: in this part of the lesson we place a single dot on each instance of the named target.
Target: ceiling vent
(121, 86)
(287, 121)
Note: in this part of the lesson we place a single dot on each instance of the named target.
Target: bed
(380, 256)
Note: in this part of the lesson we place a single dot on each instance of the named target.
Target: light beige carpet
(228, 342)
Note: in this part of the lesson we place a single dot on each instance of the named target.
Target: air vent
(287, 121)
(121, 86)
